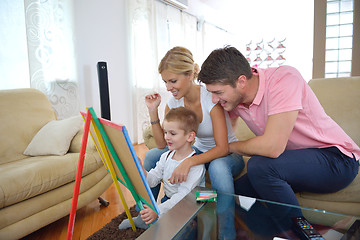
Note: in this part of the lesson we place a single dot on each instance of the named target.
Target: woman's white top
(204, 139)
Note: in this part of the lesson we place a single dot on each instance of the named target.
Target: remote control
(305, 229)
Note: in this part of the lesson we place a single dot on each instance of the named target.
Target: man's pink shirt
(283, 89)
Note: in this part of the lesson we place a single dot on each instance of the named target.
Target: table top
(240, 217)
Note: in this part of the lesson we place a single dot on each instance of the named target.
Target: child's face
(175, 137)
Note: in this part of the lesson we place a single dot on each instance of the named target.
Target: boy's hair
(224, 66)
(186, 118)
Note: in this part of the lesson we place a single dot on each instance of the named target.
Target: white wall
(263, 19)
(100, 35)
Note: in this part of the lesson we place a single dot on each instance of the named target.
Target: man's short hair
(185, 117)
(224, 66)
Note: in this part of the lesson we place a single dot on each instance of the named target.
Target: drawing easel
(115, 149)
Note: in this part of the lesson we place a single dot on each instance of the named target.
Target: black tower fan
(104, 90)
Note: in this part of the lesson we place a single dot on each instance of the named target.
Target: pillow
(55, 137)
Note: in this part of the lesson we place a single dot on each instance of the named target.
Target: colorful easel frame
(115, 149)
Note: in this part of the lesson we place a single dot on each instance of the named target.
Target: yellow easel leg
(113, 174)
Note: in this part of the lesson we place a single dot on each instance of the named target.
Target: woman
(178, 71)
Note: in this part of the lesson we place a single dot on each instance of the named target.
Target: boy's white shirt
(175, 192)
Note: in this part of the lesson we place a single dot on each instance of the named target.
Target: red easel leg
(78, 177)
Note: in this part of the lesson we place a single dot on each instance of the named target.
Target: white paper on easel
(246, 202)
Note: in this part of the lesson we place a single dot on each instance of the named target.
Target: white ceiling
(234, 15)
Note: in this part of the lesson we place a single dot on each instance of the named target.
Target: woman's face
(177, 84)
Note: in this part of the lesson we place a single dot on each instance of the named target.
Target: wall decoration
(264, 54)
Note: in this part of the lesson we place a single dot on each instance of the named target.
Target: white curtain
(155, 28)
(37, 50)
(49, 31)
(14, 65)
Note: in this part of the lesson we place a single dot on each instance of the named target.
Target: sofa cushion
(23, 179)
(75, 145)
(242, 131)
(348, 194)
(55, 137)
(29, 208)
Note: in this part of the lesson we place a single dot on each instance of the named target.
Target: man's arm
(273, 143)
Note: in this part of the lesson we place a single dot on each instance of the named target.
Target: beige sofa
(340, 98)
(37, 190)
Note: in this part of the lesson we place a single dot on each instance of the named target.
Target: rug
(111, 230)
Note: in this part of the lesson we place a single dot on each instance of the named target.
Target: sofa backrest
(23, 113)
(340, 98)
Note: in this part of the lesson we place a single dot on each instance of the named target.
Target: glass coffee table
(239, 217)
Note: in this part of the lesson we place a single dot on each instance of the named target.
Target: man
(297, 146)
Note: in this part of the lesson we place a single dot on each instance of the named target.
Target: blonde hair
(186, 118)
(179, 60)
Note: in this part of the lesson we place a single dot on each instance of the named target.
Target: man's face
(229, 97)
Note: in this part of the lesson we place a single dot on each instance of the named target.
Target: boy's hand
(180, 173)
(148, 215)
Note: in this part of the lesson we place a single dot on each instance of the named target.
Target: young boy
(180, 126)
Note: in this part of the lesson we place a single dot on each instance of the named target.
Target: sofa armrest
(149, 137)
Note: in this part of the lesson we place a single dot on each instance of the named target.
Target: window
(339, 38)
(336, 52)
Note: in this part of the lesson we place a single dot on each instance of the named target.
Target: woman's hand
(181, 172)
(148, 215)
(153, 101)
